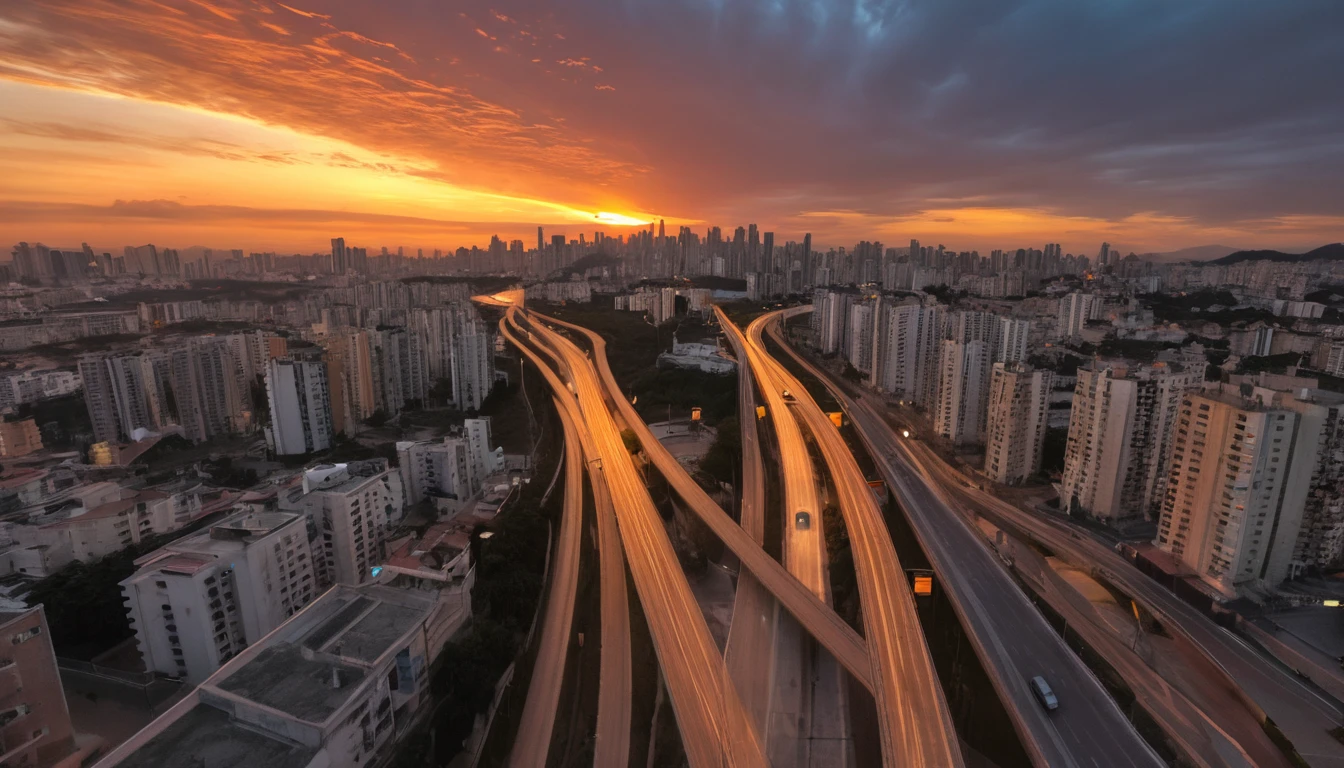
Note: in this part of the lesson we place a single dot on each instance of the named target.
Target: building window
(26, 635)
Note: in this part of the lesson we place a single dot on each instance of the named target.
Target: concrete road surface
(819, 703)
(533, 739)
(1303, 715)
(1012, 639)
(715, 727)
(1300, 712)
(612, 740)
(823, 623)
(913, 719)
(750, 653)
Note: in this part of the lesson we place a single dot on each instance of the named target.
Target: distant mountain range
(1197, 253)
(1332, 252)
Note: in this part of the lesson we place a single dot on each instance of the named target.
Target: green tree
(83, 601)
(723, 460)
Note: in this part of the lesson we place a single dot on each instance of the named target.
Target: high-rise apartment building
(963, 388)
(124, 393)
(1120, 438)
(351, 361)
(1320, 544)
(340, 257)
(210, 397)
(485, 461)
(388, 346)
(438, 470)
(1241, 471)
(1017, 420)
(830, 319)
(142, 260)
(862, 322)
(473, 365)
(1074, 312)
(300, 408)
(252, 350)
(199, 601)
(348, 507)
(434, 329)
(908, 352)
(1011, 340)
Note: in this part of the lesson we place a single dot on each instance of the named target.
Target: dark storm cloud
(1210, 109)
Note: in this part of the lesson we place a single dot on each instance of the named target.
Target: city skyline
(268, 126)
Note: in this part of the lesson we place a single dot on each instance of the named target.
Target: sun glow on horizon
(620, 219)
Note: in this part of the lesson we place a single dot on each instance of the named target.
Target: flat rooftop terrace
(206, 736)
(281, 678)
(337, 639)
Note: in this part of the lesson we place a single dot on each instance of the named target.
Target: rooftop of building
(1252, 398)
(312, 664)
(209, 737)
(20, 477)
(191, 553)
(1131, 369)
(431, 553)
(342, 478)
(250, 526)
(281, 676)
(111, 508)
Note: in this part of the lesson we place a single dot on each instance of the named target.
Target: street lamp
(905, 433)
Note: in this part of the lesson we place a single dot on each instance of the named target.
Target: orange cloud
(317, 79)
(305, 14)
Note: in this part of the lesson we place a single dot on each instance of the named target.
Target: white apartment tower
(485, 461)
(862, 319)
(473, 365)
(963, 386)
(1119, 438)
(1011, 339)
(207, 389)
(907, 361)
(199, 601)
(349, 507)
(1017, 421)
(300, 406)
(1074, 312)
(829, 317)
(1241, 470)
(123, 394)
(440, 470)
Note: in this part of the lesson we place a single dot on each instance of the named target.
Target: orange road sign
(923, 585)
(760, 411)
(837, 418)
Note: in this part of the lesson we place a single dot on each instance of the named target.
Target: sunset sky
(983, 124)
